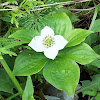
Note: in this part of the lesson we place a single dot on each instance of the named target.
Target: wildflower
(48, 43)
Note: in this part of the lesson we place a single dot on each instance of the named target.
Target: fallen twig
(3, 4)
(81, 9)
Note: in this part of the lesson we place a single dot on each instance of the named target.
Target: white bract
(48, 43)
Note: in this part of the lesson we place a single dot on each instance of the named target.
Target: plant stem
(13, 96)
(94, 16)
(6, 67)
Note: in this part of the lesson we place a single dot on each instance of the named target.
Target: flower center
(48, 41)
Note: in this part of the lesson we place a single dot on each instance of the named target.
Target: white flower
(48, 43)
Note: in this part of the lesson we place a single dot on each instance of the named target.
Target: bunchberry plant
(63, 72)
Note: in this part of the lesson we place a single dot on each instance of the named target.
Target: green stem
(13, 96)
(6, 67)
(94, 16)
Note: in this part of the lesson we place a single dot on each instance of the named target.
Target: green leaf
(95, 63)
(6, 41)
(90, 85)
(82, 53)
(91, 93)
(93, 67)
(76, 36)
(28, 92)
(13, 44)
(96, 26)
(6, 84)
(97, 96)
(7, 44)
(62, 73)
(24, 35)
(61, 24)
(97, 49)
(92, 38)
(72, 16)
(5, 51)
(6, 18)
(29, 62)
